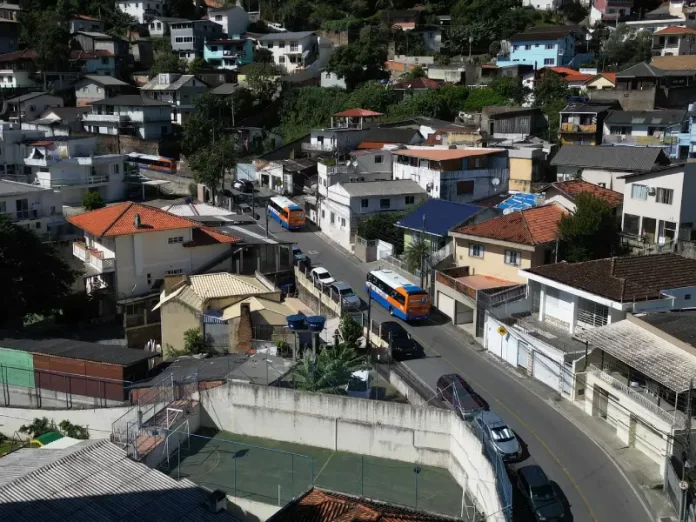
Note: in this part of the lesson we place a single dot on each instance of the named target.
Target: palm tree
(38, 427)
(331, 370)
(415, 252)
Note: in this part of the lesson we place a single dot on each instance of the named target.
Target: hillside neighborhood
(348, 261)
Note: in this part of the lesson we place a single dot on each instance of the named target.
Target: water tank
(297, 322)
(316, 323)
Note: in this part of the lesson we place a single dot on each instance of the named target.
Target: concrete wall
(247, 510)
(97, 421)
(176, 319)
(376, 428)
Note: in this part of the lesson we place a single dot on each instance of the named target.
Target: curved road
(594, 487)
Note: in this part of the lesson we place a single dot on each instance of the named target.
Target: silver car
(497, 436)
(348, 297)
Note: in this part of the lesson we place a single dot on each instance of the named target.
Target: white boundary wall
(431, 436)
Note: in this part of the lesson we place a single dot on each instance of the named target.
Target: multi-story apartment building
(459, 175)
(582, 122)
(95, 87)
(189, 36)
(80, 23)
(548, 46)
(666, 129)
(232, 20)
(179, 90)
(130, 114)
(674, 41)
(142, 11)
(37, 208)
(229, 53)
(610, 12)
(13, 150)
(69, 165)
(291, 51)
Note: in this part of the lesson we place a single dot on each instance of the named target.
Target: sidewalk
(642, 473)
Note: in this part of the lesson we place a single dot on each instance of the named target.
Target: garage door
(446, 305)
(547, 371)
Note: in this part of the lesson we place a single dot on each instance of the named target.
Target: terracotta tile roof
(417, 83)
(534, 226)
(574, 187)
(372, 145)
(675, 63)
(85, 17)
(675, 30)
(357, 113)
(443, 154)
(90, 55)
(624, 279)
(326, 506)
(119, 220)
(578, 77)
(563, 70)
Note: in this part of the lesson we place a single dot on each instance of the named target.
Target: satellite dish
(495, 182)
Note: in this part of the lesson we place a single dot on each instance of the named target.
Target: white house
(95, 87)
(233, 20)
(548, 5)
(348, 203)
(159, 26)
(179, 90)
(69, 165)
(142, 11)
(674, 41)
(659, 205)
(459, 175)
(80, 22)
(129, 114)
(331, 79)
(37, 208)
(291, 51)
(28, 107)
(12, 149)
(129, 248)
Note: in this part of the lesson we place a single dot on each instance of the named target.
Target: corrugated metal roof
(646, 352)
(72, 349)
(394, 187)
(96, 481)
(211, 286)
(440, 216)
(625, 159)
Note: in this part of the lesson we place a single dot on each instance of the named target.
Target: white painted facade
(288, 53)
(233, 20)
(142, 11)
(13, 151)
(150, 123)
(334, 140)
(659, 206)
(611, 179)
(674, 44)
(548, 5)
(32, 108)
(11, 79)
(36, 208)
(331, 79)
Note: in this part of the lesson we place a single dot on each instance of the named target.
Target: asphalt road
(595, 489)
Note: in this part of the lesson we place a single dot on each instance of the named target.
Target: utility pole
(686, 452)
(266, 219)
(369, 324)
(422, 255)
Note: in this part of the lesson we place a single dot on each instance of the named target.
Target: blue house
(436, 217)
(548, 47)
(228, 53)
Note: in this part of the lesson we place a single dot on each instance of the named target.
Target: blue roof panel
(519, 201)
(440, 216)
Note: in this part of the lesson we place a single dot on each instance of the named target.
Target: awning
(651, 355)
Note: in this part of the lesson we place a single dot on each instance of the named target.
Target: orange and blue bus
(398, 295)
(156, 163)
(286, 212)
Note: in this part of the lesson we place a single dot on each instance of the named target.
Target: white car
(321, 277)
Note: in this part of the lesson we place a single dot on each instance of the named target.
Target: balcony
(648, 141)
(644, 395)
(22, 215)
(319, 147)
(114, 118)
(87, 181)
(579, 128)
(94, 258)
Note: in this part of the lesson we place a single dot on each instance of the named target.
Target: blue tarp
(520, 201)
(440, 216)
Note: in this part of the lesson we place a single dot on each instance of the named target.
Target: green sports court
(274, 472)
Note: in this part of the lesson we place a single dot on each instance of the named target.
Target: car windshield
(544, 492)
(397, 334)
(502, 434)
(324, 275)
(346, 292)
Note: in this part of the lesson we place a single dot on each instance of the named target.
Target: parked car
(246, 210)
(455, 391)
(497, 436)
(402, 344)
(244, 185)
(348, 297)
(321, 277)
(539, 494)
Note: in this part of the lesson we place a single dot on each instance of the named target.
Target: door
(602, 400)
(494, 341)
(547, 371)
(446, 305)
(522, 351)
(510, 345)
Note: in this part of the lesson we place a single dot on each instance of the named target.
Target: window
(116, 169)
(174, 271)
(512, 257)
(384, 203)
(218, 18)
(475, 250)
(527, 47)
(176, 239)
(294, 47)
(664, 196)
(548, 61)
(3, 207)
(465, 187)
(281, 59)
(323, 213)
(631, 224)
(639, 192)
(549, 46)
(333, 218)
(343, 222)
(149, 279)
(327, 76)
(379, 158)
(364, 203)
(410, 200)
(37, 224)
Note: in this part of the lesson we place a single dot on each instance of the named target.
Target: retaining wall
(432, 436)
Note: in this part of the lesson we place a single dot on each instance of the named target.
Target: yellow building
(527, 166)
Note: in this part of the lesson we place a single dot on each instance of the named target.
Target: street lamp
(417, 471)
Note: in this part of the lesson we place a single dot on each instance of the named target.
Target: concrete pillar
(277, 258)
(542, 301)
(573, 314)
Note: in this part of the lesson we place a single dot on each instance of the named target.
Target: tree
(510, 88)
(480, 98)
(408, 43)
(263, 55)
(75, 431)
(415, 253)
(33, 277)
(167, 62)
(331, 370)
(38, 427)
(208, 122)
(382, 226)
(52, 45)
(197, 65)
(416, 72)
(574, 11)
(263, 79)
(181, 9)
(590, 232)
(92, 201)
(551, 95)
(624, 48)
(210, 164)
(194, 341)
(362, 60)
(350, 330)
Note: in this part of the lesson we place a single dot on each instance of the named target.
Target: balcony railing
(94, 257)
(447, 278)
(50, 182)
(321, 147)
(641, 140)
(116, 118)
(578, 128)
(21, 215)
(638, 397)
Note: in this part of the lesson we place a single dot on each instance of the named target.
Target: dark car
(244, 185)
(455, 391)
(539, 494)
(299, 257)
(403, 346)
